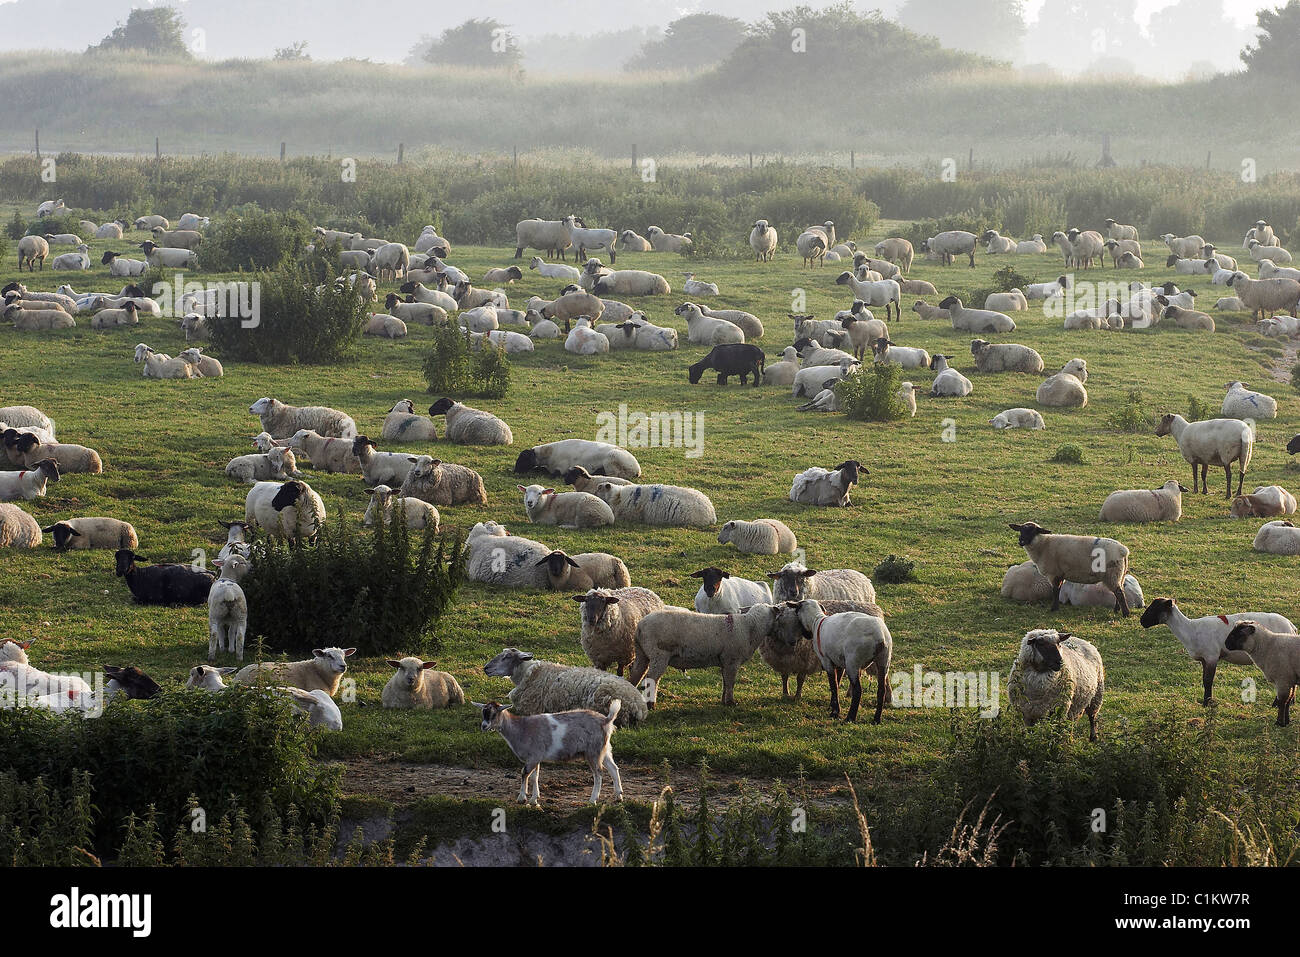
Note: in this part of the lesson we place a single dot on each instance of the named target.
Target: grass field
(944, 504)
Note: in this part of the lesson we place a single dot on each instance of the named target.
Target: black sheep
(732, 358)
(163, 584)
(133, 682)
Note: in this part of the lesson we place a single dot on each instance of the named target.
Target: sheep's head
(63, 534)
(133, 682)
(794, 619)
(527, 461)
(1158, 612)
(844, 278)
(411, 670)
(11, 650)
(712, 578)
(125, 561)
(596, 605)
(504, 664)
(558, 564)
(851, 469)
(1166, 424)
(725, 533)
(233, 567)
(261, 407)
(236, 531)
(1292, 447)
(977, 346)
(1240, 634)
(1243, 506)
(333, 659)
(207, 678)
(359, 444)
(1028, 531)
(535, 495)
(791, 582)
(1041, 649)
(288, 495)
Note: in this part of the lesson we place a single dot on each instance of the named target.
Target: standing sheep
(1211, 442)
(609, 621)
(1053, 670)
(687, 640)
(545, 686)
(228, 608)
(763, 239)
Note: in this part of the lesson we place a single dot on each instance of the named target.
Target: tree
(295, 51)
(1194, 37)
(1072, 34)
(1274, 51)
(995, 28)
(484, 43)
(159, 30)
(690, 43)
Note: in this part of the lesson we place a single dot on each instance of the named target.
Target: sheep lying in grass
(386, 468)
(795, 582)
(1265, 502)
(598, 458)
(1008, 357)
(1164, 504)
(443, 483)
(328, 453)
(545, 506)
(1241, 403)
(763, 536)
(417, 685)
(827, 487)
(1278, 538)
(1018, 419)
(416, 514)
(609, 620)
(496, 557)
(584, 571)
(78, 533)
(1025, 583)
(162, 584)
(283, 420)
(658, 504)
(17, 528)
(27, 417)
(1211, 442)
(1277, 655)
(276, 464)
(322, 672)
(947, 381)
(208, 678)
(70, 458)
(291, 509)
(1078, 558)
(1062, 390)
(976, 320)
(403, 425)
(1054, 670)
(469, 426)
(584, 481)
(544, 686)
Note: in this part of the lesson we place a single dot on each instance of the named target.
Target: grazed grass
(944, 505)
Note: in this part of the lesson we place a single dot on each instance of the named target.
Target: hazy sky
(1243, 11)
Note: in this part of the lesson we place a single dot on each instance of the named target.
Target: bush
(1069, 455)
(1132, 417)
(381, 594)
(250, 238)
(299, 321)
(17, 227)
(871, 393)
(452, 368)
(1295, 377)
(1198, 410)
(895, 570)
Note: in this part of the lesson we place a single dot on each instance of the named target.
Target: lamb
(443, 483)
(113, 318)
(663, 242)
(37, 320)
(17, 528)
(417, 685)
(207, 366)
(416, 514)
(763, 536)
(997, 243)
(976, 320)
(1129, 260)
(1164, 504)
(162, 584)
(291, 509)
(418, 292)
(228, 608)
(795, 582)
(1260, 251)
(552, 270)
(815, 355)
(947, 381)
(1048, 290)
(1011, 301)
(722, 594)
(80, 260)
(1278, 538)
(237, 535)
(585, 571)
(469, 426)
(425, 313)
(1027, 247)
(927, 311)
(1192, 267)
(1053, 670)
(1185, 247)
(706, 331)
(634, 242)
(583, 340)
(1263, 297)
(916, 287)
(542, 686)
(430, 242)
(32, 249)
(1211, 442)
(762, 239)
(598, 458)
(584, 481)
(80, 533)
(1277, 654)
(730, 359)
(1005, 358)
(283, 420)
(1266, 501)
(403, 425)
(1241, 403)
(1079, 558)
(496, 557)
(1018, 419)
(609, 621)
(1062, 390)
(176, 238)
(544, 234)
(843, 642)
(678, 638)
(569, 306)
(50, 207)
(783, 372)
(907, 395)
(864, 329)
(626, 282)
(326, 452)
(749, 323)
(567, 509)
(1269, 270)
(380, 467)
(952, 243)
(827, 487)
(658, 504)
(277, 464)
(1188, 318)
(323, 671)
(30, 483)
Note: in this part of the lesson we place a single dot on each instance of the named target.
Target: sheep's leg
(1056, 592)
(1207, 680)
(619, 667)
(1205, 485)
(1227, 492)
(834, 680)
(882, 688)
(1092, 725)
(855, 691)
(1284, 706)
(1241, 475)
(1121, 600)
(729, 683)
(523, 784)
(785, 685)
(612, 768)
(1194, 477)
(213, 641)
(519, 252)
(240, 632)
(594, 762)
(722, 378)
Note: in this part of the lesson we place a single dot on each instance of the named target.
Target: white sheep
(947, 381)
(417, 685)
(1277, 654)
(598, 458)
(763, 240)
(544, 686)
(952, 243)
(18, 529)
(827, 487)
(1164, 504)
(583, 340)
(283, 420)
(207, 366)
(95, 532)
(706, 331)
(1260, 251)
(1062, 390)
(686, 640)
(416, 514)
(658, 504)
(976, 320)
(795, 582)
(327, 452)
(228, 608)
(403, 425)
(1211, 442)
(1281, 537)
(609, 621)
(721, 593)
(1005, 357)
(290, 509)
(763, 536)
(322, 672)
(1078, 558)
(847, 642)
(1242, 403)
(31, 482)
(584, 571)
(1265, 502)
(1018, 419)
(443, 483)
(1264, 297)
(1057, 670)
(567, 509)
(275, 464)
(495, 557)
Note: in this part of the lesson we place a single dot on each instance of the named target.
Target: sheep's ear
(808, 572)
(773, 574)
(571, 562)
(1014, 527)
(317, 652)
(228, 670)
(349, 652)
(412, 459)
(395, 664)
(521, 488)
(369, 491)
(429, 664)
(699, 574)
(1062, 635)
(548, 491)
(578, 597)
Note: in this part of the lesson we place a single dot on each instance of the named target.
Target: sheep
(544, 686)
(1277, 654)
(1005, 358)
(425, 313)
(31, 250)
(36, 320)
(1260, 251)
(470, 426)
(1263, 297)
(327, 452)
(1278, 538)
(207, 678)
(319, 707)
(663, 242)
(479, 319)
(882, 292)
(1241, 403)
(588, 238)
(1018, 419)
(1062, 390)
(552, 270)
(1026, 247)
(274, 464)
(762, 239)
(168, 257)
(544, 234)
(632, 241)
(390, 259)
(1025, 583)
(637, 333)
(80, 260)
(323, 671)
(207, 366)
(584, 571)
(1077, 321)
(1048, 290)
(952, 243)
(1188, 318)
(443, 483)
(1053, 670)
(431, 243)
(907, 395)
(403, 425)
(545, 506)
(812, 245)
(795, 581)
(417, 685)
(1077, 368)
(1078, 558)
(1270, 270)
(827, 487)
(864, 331)
(112, 318)
(31, 482)
(976, 320)
(1265, 502)
(722, 594)
(50, 207)
(1118, 247)
(584, 481)
(416, 514)
(813, 380)
(783, 372)
(17, 528)
(96, 532)
(927, 311)
(418, 292)
(1164, 504)
(380, 467)
(763, 536)
(1012, 301)
(1204, 638)
(569, 306)
(237, 535)
(162, 584)
(698, 287)
(27, 416)
(176, 238)
(609, 621)
(1211, 442)
(842, 642)
(1119, 231)
(1185, 247)
(504, 276)
(749, 323)
(997, 243)
(815, 355)
(283, 420)
(898, 251)
(151, 222)
(658, 504)
(626, 282)
(291, 509)
(1128, 260)
(730, 359)
(947, 381)
(496, 557)
(598, 458)
(1191, 267)
(228, 608)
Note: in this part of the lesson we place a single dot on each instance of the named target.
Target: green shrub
(17, 227)
(1198, 410)
(1295, 377)
(1069, 455)
(895, 570)
(452, 368)
(299, 321)
(381, 593)
(871, 393)
(250, 238)
(1132, 417)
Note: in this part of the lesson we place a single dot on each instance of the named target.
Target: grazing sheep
(1005, 358)
(228, 608)
(795, 582)
(658, 504)
(567, 509)
(1277, 654)
(843, 642)
(80, 533)
(162, 584)
(1241, 403)
(1054, 670)
(469, 426)
(950, 244)
(416, 514)
(1211, 442)
(31, 482)
(947, 381)
(544, 686)
(827, 487)
(1278, 538)
(897, 251)
(721, 594)
(323, 671)
(31, 250)
(17, 528)
(598, 458)
(1164, 504)
(283, 420)
(1078, 558)
(1018, 419)
(1265, 502)
(976, 320)
(403, 425)
(417, 685)
(730, 359)
(686, 640)
(1062, 390)
(443, 483)
(763, 536)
